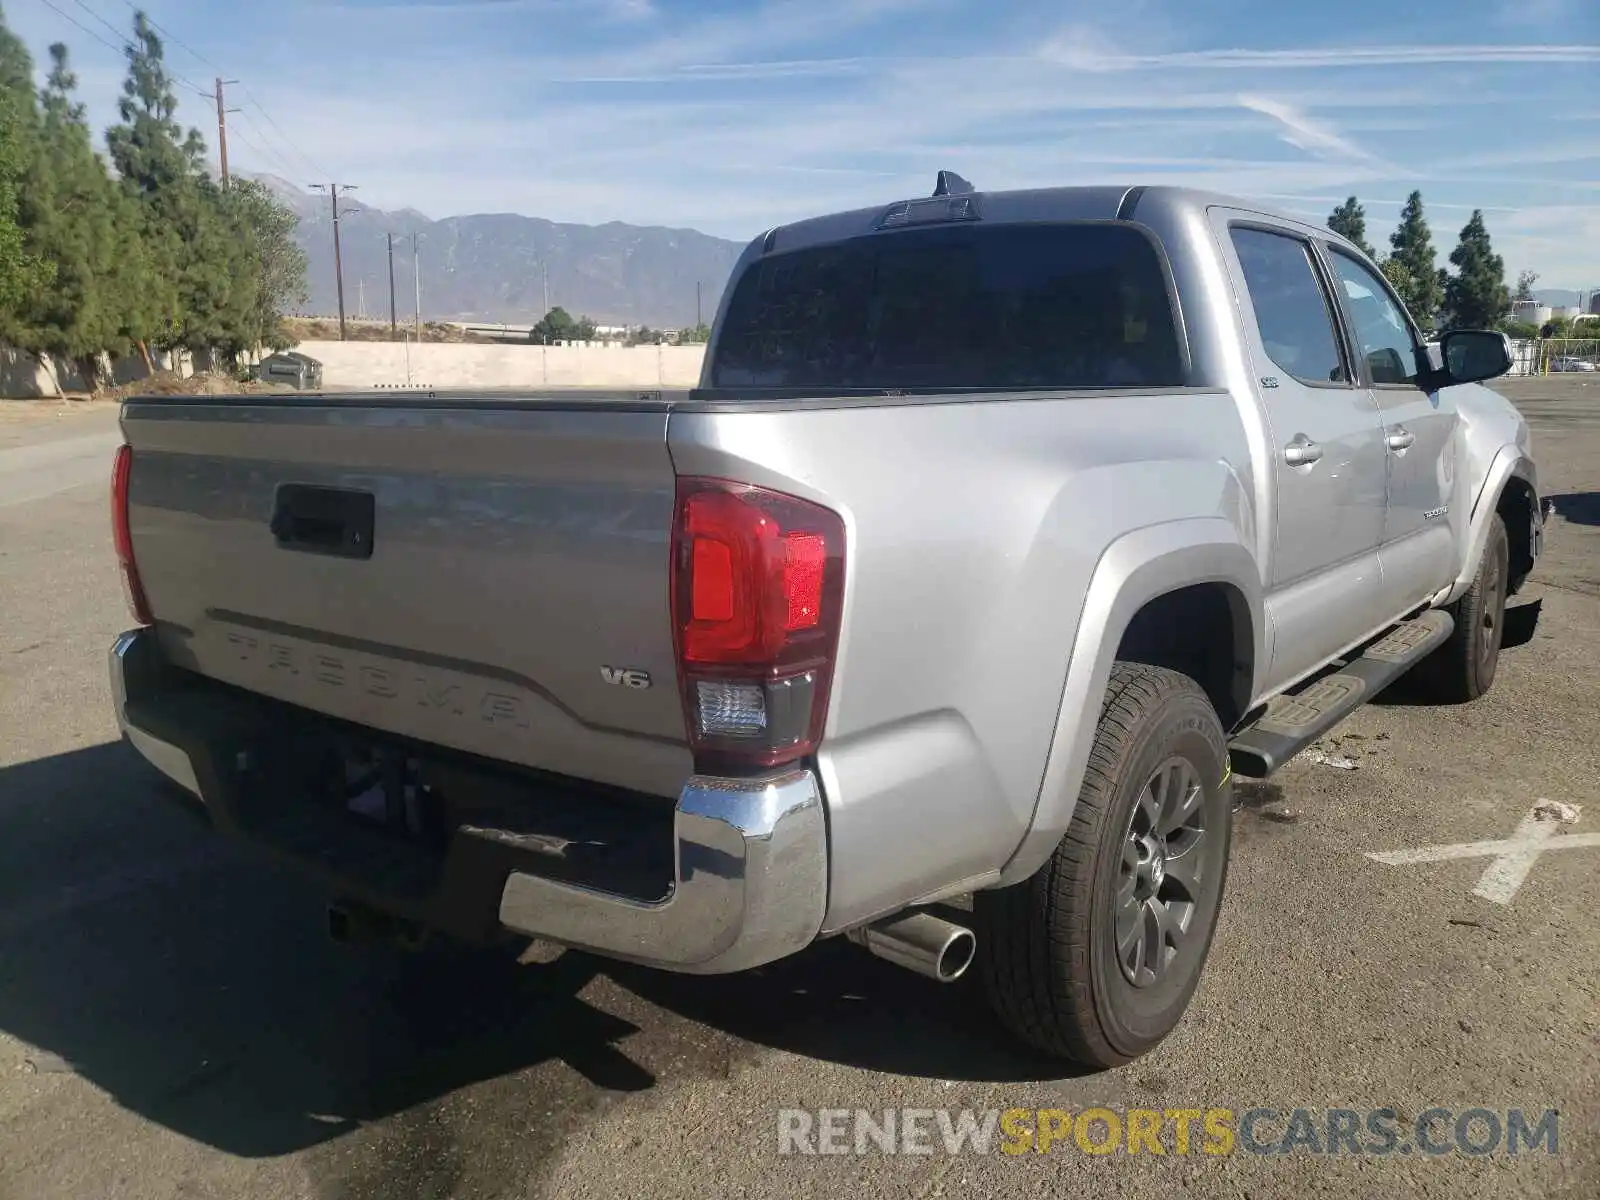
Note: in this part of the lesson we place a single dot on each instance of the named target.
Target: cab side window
(1383, 337)
(1293, 315)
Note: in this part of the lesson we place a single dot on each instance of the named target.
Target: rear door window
(1081, 305)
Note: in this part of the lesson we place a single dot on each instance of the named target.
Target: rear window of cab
(1075, 305)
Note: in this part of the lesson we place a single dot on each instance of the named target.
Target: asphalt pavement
(174, 1022)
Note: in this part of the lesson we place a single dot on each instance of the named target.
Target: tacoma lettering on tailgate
(404, 684)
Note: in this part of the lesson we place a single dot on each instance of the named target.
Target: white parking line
(1514, 857)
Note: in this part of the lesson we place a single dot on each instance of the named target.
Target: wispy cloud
(741, 72)
(401, 9)
(1326, 57)
(1083, 50)
(1304, 131)
(1299, 198)
(1520, 14)
(1527, 154)
(731, 117)
(767, 30)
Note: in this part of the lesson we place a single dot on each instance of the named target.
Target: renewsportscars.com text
(1171, 1131)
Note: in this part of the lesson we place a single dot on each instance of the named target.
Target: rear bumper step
(1296, 719)
(746, 873)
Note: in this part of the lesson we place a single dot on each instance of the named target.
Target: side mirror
(1472, 355)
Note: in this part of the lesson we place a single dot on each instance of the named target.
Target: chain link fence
(1549, 356)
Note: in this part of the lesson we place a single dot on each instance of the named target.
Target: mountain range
(501, 267)
(1558, 297)
(497, 267)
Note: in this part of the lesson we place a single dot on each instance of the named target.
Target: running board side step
(1296, 719)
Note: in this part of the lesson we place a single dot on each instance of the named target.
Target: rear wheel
(1096, 957)
(1464, 667)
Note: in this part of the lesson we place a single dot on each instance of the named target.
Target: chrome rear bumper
(750, 880)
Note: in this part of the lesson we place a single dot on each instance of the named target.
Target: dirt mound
(318, 329)
(165, 383)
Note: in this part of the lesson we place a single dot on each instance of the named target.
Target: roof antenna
(951, 184)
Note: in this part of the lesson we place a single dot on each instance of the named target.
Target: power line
(170, 36)
(187, 82)
(271, 157)
(249, 95)
(266, 150)
(74, 21)
(191, 85)
(250, 98)
(115, 32)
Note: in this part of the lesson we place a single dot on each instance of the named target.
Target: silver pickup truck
(1002, 529)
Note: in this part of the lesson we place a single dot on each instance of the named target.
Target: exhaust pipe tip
(919, 941)
(958, 955)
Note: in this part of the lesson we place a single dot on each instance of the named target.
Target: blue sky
(732, 117)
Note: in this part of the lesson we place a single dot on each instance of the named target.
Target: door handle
(1401, 439)
(1301, 452)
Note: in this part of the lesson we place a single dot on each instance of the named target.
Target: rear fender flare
(1137, 568)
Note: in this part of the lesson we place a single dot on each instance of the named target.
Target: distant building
(1530, 312)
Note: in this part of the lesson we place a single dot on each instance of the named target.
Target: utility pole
(361, 298)
(222, 126)
(394, 322)
(338, 260)
(697, 321)
(544, 273)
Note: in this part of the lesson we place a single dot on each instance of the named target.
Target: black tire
(1047, 946)
(1463, 668)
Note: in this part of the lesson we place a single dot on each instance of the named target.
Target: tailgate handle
(320, 520)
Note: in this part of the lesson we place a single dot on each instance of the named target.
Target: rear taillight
(122, 536)
(757, 593)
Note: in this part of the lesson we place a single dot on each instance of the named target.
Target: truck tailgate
(512, 599)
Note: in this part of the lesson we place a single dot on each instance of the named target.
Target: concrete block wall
(356, 366)
(359, 365)
(24, 377)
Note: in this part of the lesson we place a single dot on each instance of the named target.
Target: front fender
(1137, 568)
(1510, 462)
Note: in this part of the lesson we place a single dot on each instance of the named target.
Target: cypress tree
(1422, 290)
(160, 168)
(1349, 221)
(23, 275)
(77, 319)
(24, 199)
(1476, 296)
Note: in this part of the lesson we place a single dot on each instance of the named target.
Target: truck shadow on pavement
(1522, 615)
(1581, 508)
(837, 1003)
(1521, 624)
(194, 984)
